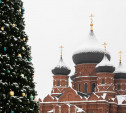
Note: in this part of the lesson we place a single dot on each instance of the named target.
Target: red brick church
(97, 86)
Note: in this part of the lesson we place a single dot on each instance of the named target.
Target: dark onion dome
(120, 72)
(61, 68)
(105, 66)
(90, 52)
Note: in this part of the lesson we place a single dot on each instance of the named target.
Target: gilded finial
(120, 54)
(105, 44)
(91, 16)
(61, 50)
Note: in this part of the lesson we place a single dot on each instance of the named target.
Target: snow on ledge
(121, 98)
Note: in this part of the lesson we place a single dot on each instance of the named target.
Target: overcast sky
(51, 23)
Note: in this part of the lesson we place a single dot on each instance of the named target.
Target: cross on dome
(91, 16)
(61, 68)
(91, 51)
(120, 54)
(61, 47)
(105, 44)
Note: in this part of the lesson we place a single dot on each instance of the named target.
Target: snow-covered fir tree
(17, 87)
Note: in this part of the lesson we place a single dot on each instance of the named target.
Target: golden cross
(91, 16)
(120, 54)
(61, 50)
(105, 44)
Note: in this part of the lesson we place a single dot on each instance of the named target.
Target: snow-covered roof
(120, 69)
(91, 44)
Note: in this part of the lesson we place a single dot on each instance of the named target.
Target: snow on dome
(105, 66)
(90, 52)
(61, 68)
(61, 63)
(105, 62)
(120, 69)
(90, 45)
(120, 72)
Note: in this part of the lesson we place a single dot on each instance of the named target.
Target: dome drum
(120, 75)
(108, 69)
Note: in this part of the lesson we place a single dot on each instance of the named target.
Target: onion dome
(90, 52)
(120, 72)
(105, 65)
(61, 68)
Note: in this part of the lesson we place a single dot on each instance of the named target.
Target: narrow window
(93, 87)
(78, 87)
(103, 81)
(66, 83)
(118, 87)
(58, 83)
(85, 88)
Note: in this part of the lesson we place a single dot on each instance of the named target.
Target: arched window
(58, 83)
(103, 81)
(118, 88)
(93, 87)
(79, 87)
(85, 88)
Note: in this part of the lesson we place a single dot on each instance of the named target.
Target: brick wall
(120, 86)
(84, 74)
(59, 83)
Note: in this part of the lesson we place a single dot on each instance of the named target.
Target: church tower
(96, 88)
(105, 80)
(120, 78)
(86, 58)
(60, 76)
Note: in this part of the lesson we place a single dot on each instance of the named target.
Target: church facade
(97, 86)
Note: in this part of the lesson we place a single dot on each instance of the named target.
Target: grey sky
(51, 23)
